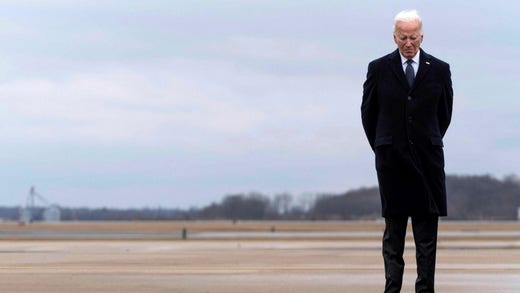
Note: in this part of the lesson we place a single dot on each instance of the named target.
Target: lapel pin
(428, 63)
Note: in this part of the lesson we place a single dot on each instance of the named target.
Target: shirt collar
(415, 58)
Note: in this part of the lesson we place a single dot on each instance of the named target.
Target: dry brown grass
(245, 226)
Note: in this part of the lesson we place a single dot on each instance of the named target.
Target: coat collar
(397, 67)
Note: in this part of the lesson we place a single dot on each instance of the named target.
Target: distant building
(52, 214)
(31, 211)
(25, 215)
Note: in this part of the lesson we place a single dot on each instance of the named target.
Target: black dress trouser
(425, 237)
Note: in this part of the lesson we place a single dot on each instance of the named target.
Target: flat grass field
(245, 256)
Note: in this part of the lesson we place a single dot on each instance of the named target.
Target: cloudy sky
(178, 103)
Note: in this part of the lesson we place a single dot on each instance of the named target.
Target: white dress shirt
(415, 63)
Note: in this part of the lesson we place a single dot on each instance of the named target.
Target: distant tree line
(481, 197)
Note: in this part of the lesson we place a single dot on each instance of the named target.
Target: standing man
(406, 110)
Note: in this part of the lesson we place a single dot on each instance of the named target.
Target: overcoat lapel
(424, 67)
(397, 68)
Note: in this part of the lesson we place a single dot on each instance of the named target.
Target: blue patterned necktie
(410, 74)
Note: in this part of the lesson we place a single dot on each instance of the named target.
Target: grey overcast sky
(178, 103)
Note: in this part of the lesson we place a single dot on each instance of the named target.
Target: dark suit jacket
(405, 127)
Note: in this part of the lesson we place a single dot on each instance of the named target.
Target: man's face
(408, 37)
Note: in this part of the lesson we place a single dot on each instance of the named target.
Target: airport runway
(476, 260)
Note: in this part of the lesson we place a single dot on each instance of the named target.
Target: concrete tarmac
(465, 264)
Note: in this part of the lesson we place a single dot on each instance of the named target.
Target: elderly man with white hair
(406, 109)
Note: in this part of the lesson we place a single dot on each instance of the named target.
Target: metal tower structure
(51, 211)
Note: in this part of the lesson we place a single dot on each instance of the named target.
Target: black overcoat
(405, 127)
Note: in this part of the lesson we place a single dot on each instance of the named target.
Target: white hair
(407, 16)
